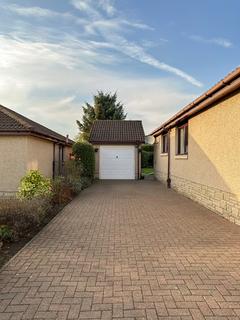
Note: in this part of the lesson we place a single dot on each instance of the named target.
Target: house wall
(210, 173)
(18, 154)
(137, 161)
(40, 156)
(13, 162)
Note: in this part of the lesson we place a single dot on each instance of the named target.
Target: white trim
(181, 156)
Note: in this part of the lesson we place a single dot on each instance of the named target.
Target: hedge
(147, 147)
(147, 159)
(84, 152)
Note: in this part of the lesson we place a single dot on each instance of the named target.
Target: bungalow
(197, 151)
(26, 145)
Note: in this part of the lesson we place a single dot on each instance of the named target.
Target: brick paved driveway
(127, 250)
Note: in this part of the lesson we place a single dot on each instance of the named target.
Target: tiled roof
(117, 131)
(12, 122)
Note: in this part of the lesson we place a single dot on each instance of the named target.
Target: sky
(157, 55)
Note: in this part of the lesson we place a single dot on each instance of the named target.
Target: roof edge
(223, 88)
(36, 134)
(29, 129)
(12, 114)
(116, 142)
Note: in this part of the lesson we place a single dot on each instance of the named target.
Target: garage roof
(13, 123)
(117, 131)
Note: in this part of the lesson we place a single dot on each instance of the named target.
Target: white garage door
(117, 162)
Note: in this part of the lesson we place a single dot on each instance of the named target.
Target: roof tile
(117, 131)
(13, 122)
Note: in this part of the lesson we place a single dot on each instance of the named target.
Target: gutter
(35, 134)
(226, 86)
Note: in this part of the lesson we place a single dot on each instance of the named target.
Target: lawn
(147, 171)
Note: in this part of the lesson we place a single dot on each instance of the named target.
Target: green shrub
(65, 187)
(5, 233)
(58, 185)
(147, 147)
(64, 190)
(73, 173)
(75, 185)
(86, 182)
(147, 159)
(84, 152)
(34, 184)
(23, 216)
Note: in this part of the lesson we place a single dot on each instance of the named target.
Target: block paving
(127, 250)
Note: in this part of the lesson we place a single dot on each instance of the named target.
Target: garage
(117, 162)
(117, 149)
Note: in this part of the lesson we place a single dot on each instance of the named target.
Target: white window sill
(181, 156)
(163, 154)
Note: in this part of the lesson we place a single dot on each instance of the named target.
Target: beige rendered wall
(18, 154)
(160, 161)
(13, 159)
(137, 161)
(40, 156)
(210, 173)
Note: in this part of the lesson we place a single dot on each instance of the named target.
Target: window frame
(182, 144)
(164, 143)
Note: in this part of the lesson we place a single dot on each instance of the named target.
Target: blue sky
(158, 55)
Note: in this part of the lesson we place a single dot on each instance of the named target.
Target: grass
(146, 171)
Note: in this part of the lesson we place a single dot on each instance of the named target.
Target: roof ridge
(16, 116)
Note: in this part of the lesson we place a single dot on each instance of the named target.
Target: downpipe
(169, 162)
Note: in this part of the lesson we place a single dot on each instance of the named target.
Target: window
(182, 139)
(165, 143)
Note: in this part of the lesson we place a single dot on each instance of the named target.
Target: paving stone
(127, 250)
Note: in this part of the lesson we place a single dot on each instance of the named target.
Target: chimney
(67, 137)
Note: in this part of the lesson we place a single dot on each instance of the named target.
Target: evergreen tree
(105, 107)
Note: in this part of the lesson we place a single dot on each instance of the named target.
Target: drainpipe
(138, 163)
(53, 164)
(169, 162)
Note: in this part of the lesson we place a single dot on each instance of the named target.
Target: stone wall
(224, 203)
(7, 194)
(209, 173)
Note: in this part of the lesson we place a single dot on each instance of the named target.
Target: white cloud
(222, 42)
(107, 6)
(52, 93)
(48, 75)
(137, 25)
(138, 53)
(30, 11)
(216, 41)
(108, 30)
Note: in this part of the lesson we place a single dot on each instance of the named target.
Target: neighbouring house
(117, 148)
(197, 151)
(27, 145)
